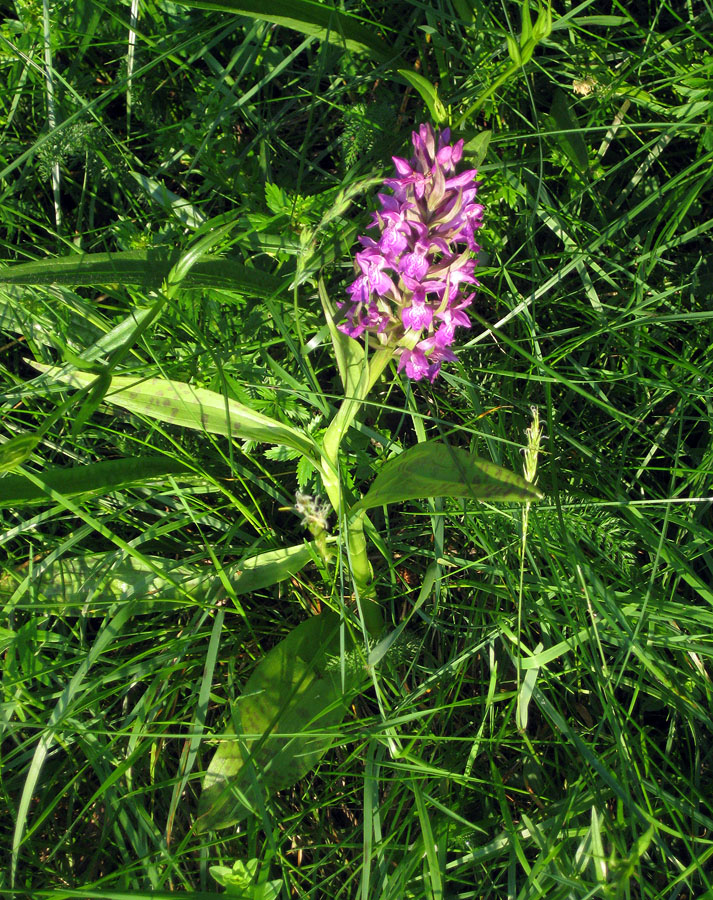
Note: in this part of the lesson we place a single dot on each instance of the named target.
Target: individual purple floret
(408, 293)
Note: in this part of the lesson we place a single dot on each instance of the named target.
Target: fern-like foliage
(366, 127)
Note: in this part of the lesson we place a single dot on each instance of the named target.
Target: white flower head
(584, 86)
(314, 511)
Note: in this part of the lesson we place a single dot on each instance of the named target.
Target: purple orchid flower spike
(408, 291)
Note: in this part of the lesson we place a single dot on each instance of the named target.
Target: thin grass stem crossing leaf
(438, 470)
(285, 718)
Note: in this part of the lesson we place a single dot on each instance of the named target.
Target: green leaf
(513, 50)
(439, 470)
(91, 401)
(605, 21)
(464, 10)
(185, 212)
(90, 584)
(349, 353)
(476, 149)
(110, 475)
(146, 268)
(543, 25)
(526, 51)
(177, 403)
(564, 123)
(283, 719)
(268, 568)
(308, 17)
(239, 881)
(239, 878)
(14, 452)
(277, 200)
(428, 93)
(268, 890)
(525, 22)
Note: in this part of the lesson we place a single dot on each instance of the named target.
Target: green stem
(360, 380)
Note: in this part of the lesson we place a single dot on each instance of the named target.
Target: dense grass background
(542, 728)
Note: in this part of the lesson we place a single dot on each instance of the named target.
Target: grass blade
(308, 17)
(145, 268)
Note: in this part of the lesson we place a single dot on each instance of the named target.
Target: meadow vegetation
(181, 190)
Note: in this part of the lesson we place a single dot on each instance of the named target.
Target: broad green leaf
(588, 21)
(310, 17)
(240, 876)
(267, 890)
(347, 351)
(92, 583)
(14, 452)
(283, 718)
(177, 403)
(524, 694)
(464, 10)
(439, 470)
(7, 638)
(476, 149)
(91, 402)
(543, 25)
(513, 50)
(240, 881)
(146, 268)
(110, 475)
(428, 93)
(564, 123)
(527, 50)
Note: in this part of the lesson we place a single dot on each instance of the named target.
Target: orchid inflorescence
(408, 293)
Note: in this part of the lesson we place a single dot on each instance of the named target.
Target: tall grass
(541, 728)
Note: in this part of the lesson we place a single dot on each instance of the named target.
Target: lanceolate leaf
(567, 130)
(428, 92)
(111, 475)
(146, 268)
(347, 352)
(314, 17)
(289, 704)
(177, 403)
(439, 470)
(476, 149)
(92, 583)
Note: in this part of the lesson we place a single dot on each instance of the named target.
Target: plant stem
(359, 384)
